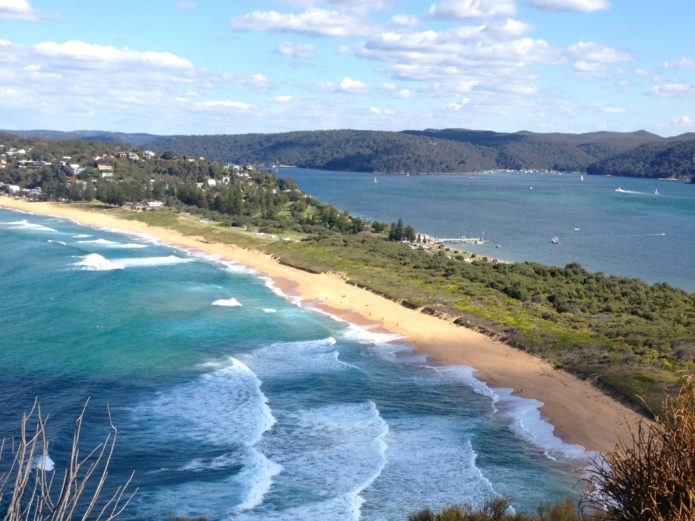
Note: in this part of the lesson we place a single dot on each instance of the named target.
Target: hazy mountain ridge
(640, 153)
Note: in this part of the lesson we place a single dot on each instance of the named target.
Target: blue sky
(238, 66)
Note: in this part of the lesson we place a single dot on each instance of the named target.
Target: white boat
(375, 180)
(581, 178)
(656, 191)
(555, 240)
(620, 190)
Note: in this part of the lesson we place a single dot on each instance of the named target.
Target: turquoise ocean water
(634, 232)
(234, 402)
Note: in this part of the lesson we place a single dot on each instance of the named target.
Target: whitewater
(236, 402)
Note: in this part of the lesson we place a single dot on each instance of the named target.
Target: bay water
(634, 227)
(235, 402)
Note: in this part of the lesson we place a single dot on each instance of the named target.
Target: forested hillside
(635, 154)
(671, 160)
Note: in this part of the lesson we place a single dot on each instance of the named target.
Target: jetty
(463, 240)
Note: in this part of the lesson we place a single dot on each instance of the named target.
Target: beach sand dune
(580, 412)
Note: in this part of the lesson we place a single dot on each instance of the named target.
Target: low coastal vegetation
(633, 339)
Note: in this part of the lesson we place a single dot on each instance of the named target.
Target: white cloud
(296, 50)
(584, 6)
(593, 59)
(350, 85)
(460, 9)
(223, 104)
(683, 121)
(683, 63)
(97, 55)
(185, 6)
(405, 20)
(381, 111)
(673, 90)
(404, 94)
(17, 10)
(284, 99)
(316, 22)
(610, 109)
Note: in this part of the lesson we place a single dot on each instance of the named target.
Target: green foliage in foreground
(497, 509)
(633, 338)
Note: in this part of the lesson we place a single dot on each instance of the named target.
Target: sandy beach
(581, 413)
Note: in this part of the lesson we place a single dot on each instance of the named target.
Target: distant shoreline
(580, 412)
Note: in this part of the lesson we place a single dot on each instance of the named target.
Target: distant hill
(425, 151)
(674, 159)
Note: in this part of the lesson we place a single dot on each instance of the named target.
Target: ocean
(236, 402)
(633, 232)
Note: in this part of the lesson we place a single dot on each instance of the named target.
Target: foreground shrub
(29, 490)
(498, 509)
(653, 477)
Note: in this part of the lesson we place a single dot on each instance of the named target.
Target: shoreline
(580, 413)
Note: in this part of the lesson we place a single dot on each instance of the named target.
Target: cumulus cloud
(381, 111)
(98, 55)
(457, 54)
(683, 63)
(673, 90)
(296, 50)
(315, 22)
(461, 9)
(17, 10)
(683, 121)
(284, 99)
(593, 59)
(610, 109)
(350, 85)
(584, 6)
(223, 104)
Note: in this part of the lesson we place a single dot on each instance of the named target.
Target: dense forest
(634, 339)
(428, 151)
(668, 160)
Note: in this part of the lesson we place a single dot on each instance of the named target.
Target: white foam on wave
(283, 359)
(330, 455)
(26, 225)
(81, 236)
(96, 262)
(62, 243)
(365, 336)
(524, 414)
(227, 302)
(528, 423)
(271, 285)
(270, 310)
(257, 476)
(138, 262)
(224, 407)
(113, 244)
(44, 462)
(435, 446)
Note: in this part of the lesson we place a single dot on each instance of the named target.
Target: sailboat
(581, 178)
(656, 191)
(375, 180)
